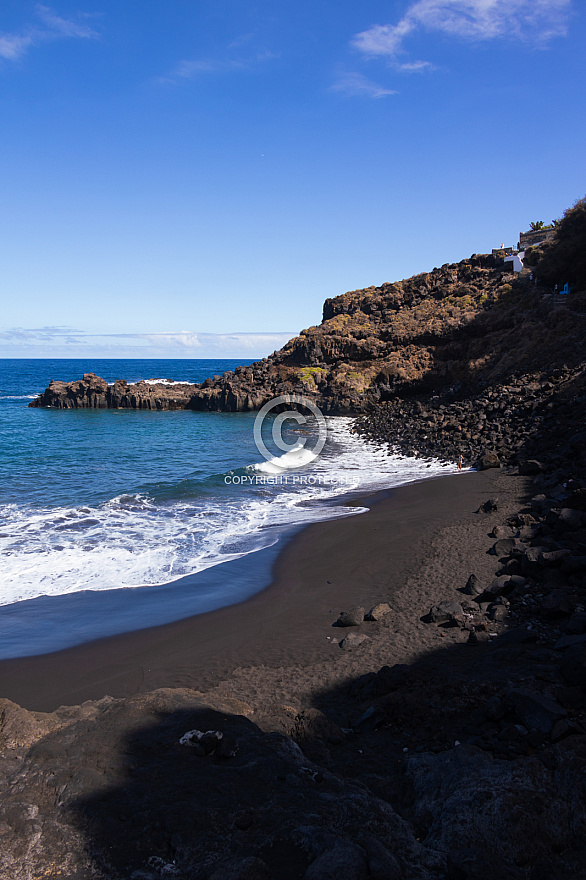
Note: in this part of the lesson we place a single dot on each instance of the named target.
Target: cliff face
(378, 342)
(462, 326)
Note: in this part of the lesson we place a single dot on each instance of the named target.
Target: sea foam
(145, 539)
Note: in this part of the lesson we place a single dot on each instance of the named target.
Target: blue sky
(193, 179)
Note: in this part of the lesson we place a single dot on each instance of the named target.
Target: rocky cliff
(460, 327)
(520, 369)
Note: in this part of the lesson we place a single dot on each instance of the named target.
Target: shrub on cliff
(564, 259)
(532, 256)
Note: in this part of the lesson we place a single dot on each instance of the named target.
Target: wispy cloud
(416, 66)
(190, 69)
(48, 26)
(22, 335)
(13, 46)
(60, 341)
(64, 26)
(242, 40)
(355, 84)
(221, 342)
(534, 21)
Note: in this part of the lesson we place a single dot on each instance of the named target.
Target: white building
(516, 260)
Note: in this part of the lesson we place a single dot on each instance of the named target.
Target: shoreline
(48, 624)
(322, 569)
(311, 741)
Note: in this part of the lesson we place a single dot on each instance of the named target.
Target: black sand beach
(250, 744)
(361, 560)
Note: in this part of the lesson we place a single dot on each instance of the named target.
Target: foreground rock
(112, 791)
(446, 773)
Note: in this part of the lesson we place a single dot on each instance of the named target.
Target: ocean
(113, 520)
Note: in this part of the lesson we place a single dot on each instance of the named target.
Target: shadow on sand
(425, 771)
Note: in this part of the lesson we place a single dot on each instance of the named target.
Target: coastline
(324, 568)
(441, 736)
(47, 624)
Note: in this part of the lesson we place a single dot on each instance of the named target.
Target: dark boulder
(503, 547)
(353, 617)
(534, 710)
(530, 468)
(488, 460)
(446, 612)
(343, 860)
(489, 506)
(353, 641)
(473, 586)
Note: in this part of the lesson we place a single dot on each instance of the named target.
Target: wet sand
(282, 641)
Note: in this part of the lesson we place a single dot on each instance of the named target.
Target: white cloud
(69, 342)
(242, 40)
(528, 20)
(183, 339)
(416, 66)
(251, 342)
(13, 46)
(40, 334)
(355, 84)
(190, 69)
(63, 26)
(51, 27)
(383, 39)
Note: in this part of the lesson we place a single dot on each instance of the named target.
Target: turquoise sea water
(112, 520)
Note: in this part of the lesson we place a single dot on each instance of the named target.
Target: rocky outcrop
(92, 392)
(115, 790)
(463, 326)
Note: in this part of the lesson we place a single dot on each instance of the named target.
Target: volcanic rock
(378, 611)
(535, 710)
(488, 460)
(473, 586)
(353, 617)
(447, 612)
